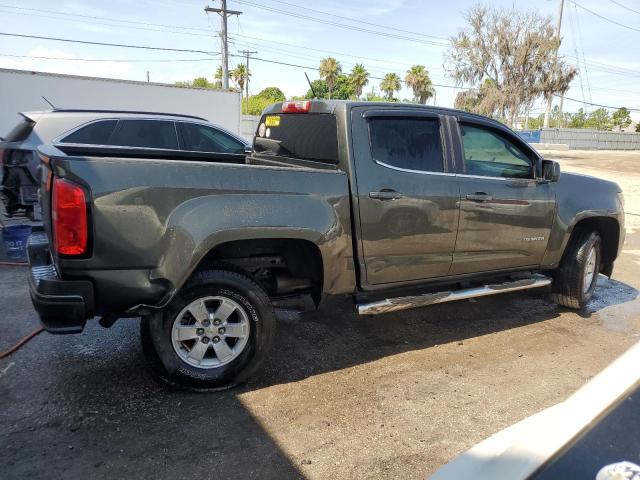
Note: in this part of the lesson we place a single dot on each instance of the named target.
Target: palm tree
(217, 77)
(390, 84)
(240, 75)
(358, 78)
(418, 79)
(329, 70)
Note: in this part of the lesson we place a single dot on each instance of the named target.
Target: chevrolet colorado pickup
(396, 205)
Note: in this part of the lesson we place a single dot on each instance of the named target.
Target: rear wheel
(213, 335)
(576, 278)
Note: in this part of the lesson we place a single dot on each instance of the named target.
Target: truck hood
(586, 184)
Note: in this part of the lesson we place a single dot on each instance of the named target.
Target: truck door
(407, 194)
(505, 213)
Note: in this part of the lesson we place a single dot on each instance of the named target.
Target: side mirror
(550, 171)
(248, 149)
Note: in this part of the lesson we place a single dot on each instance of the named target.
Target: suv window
(201, 138)
(95, 133)
(409, 143)
(145, 134)
(491, 154)
(307, 136)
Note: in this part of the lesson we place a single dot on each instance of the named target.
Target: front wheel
(575, 280)
(213, 335)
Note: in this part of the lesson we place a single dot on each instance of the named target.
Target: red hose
(14, 264)
(6, 353)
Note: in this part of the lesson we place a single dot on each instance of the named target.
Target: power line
(605, 18)
(598, 104)
(31, 14)
(86, 42)
(333, 52)
(133, 60)
(625, 7)
(106, 18)
(342, 25)
(360, 21)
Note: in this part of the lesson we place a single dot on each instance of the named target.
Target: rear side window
(96, 133)
(145, 134)
(201, 138)
(306, 136)
(21, 131)
(408, 143)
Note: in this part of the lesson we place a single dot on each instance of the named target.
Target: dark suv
(105, 133)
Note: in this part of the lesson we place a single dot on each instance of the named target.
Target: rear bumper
(63, 306)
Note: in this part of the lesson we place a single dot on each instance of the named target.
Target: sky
(298, 32)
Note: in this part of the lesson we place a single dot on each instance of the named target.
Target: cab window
(489, 153)
(407, 143)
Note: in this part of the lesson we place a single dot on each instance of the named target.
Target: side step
(403, 303)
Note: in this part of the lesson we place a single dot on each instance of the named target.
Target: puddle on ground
(615, 304)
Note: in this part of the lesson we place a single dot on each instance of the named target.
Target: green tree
(240, 75)
(201, 82)
(273, 93)
(217, 77)
(417, 78)
(389, 85)
(598, 119)
(330, 69)
(358, 77)
(638, 127)
(257, 103)
(342, 89)
(621, 118)
(578, 119)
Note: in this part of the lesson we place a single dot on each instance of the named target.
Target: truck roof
(330, 106)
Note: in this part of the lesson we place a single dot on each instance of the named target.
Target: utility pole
(247, 53)
(547, 112)
(224, 14)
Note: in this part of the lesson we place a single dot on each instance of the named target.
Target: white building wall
(22, 91)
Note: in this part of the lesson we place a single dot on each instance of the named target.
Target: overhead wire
(106, 44)
(600, 16)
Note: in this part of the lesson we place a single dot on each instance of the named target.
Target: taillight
(297, 106)
(69, 218)
(3, 153)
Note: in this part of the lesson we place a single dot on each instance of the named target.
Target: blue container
(15, 241)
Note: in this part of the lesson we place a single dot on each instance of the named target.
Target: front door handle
(385, 195)
(479, 197)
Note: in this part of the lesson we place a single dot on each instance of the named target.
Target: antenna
(310, 85)
(50, 104)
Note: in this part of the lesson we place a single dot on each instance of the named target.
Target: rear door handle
(386, 195)
(479, 197)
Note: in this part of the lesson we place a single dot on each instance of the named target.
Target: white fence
(22, 91)
(591, 139)
(248, 126)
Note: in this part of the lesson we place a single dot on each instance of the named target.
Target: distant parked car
(105, 132)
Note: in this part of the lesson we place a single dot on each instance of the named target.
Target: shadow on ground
(84, 406)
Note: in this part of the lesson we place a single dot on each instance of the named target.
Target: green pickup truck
(395, 205)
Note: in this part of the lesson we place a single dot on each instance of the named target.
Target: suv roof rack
(87, 110)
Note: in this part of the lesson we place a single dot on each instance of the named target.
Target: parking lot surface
(393, 396)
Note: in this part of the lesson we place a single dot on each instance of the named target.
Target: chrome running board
(403, 303)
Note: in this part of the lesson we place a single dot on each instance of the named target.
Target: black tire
(569, 280)
(156, 332)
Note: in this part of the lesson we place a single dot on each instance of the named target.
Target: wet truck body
(396, 205)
